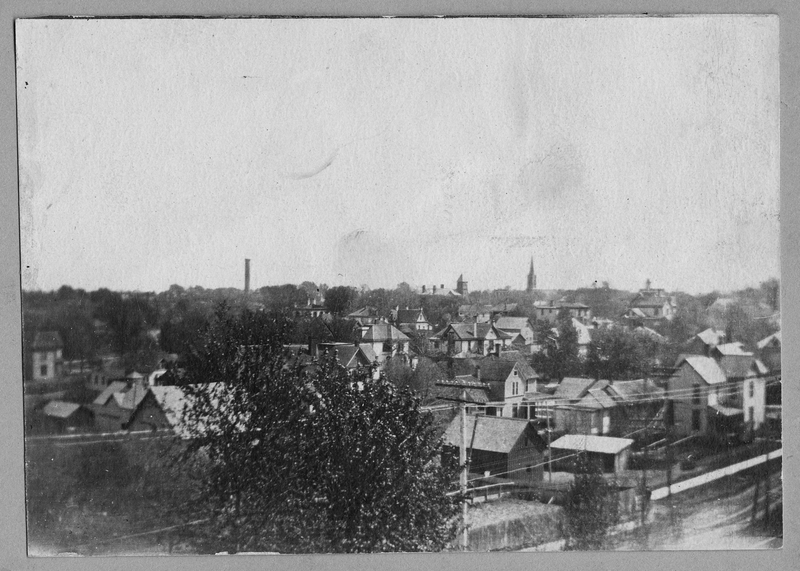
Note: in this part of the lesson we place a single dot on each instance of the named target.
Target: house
(549, 310)
(611, 453)
(386, 340)
(517, 326)
(365, 316)
(47, 356)
(717, 397)
(639, 402)
(475, 313)
(651, 305)
(502, 447)
(591, 414)
(769, 352)
(413, 319)
(704, 342)
(100, 377)
(61, 417)
(509, 380)
(311, 310)
(470, 338)
(114, 406)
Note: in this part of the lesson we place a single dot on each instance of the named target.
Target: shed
(61, 416)
(612, 453)
(504, 447)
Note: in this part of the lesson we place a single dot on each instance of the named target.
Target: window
(43, 370)
(750, 414)
(515, 388)
(752, 389)
(695, 420)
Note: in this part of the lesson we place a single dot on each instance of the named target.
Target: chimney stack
(423, 289)
(246, 275)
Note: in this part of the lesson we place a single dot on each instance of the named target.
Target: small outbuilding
(611, 453)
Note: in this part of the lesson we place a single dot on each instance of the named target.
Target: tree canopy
(295, 462)
(590, 507)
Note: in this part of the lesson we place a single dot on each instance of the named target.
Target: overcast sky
(155, 152)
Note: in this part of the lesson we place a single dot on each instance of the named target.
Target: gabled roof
(382, 332)
(513, 323)
(774, 339)
(60, 409)
(573, 388)
(635, 390)
(707, 368)
(113, 387)
(351, 356)
(711, 336)
(47, 340)
(409, 315)
(492, 433)
(131, 398)
(591, 443)
(597, 398)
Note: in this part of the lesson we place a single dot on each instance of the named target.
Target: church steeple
(531, 279)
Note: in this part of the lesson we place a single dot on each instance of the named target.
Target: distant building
(651, 305)
(47, 356)
(514, 326)
(365, 316)
(461, 286)
(549, 310)
(611, 453)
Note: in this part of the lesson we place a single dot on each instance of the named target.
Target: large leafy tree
(618, 354)
(299, 461)
(559, 355)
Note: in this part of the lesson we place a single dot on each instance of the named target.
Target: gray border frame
(12, 505)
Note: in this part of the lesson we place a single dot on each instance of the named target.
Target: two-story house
(47, 356)
(549, 310)
(413, 319)
(470, 338)
(651, 305)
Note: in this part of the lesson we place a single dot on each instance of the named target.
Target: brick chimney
(246, 275)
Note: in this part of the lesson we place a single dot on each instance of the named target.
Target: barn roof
(491, 433)
(592, 443)
(707, 368)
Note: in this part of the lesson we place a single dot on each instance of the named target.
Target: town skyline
(166, 151)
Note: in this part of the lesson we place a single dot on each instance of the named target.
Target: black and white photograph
(435, 284)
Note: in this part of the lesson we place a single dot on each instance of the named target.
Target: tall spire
(531, 278)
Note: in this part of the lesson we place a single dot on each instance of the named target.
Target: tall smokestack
(246, 275)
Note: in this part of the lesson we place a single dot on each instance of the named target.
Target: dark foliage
(333, 462)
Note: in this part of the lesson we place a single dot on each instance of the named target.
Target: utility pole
(463, 461)
(549, 451)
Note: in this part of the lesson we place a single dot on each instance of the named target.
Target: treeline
(137, 325)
